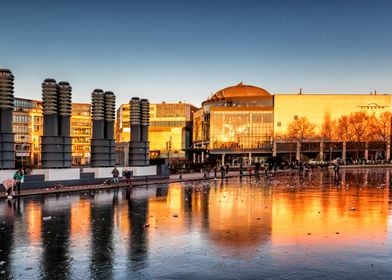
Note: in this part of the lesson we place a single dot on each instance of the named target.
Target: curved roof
(239, 91)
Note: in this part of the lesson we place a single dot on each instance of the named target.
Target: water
(286, 227)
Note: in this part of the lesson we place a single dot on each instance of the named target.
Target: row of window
(20, 118)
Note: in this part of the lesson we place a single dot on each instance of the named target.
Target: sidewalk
(138, 182)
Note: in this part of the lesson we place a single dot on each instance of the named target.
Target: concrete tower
(139, 120)
(102, 143)
(110, 112)
(64, 107)
(56, 140)
(7, 149)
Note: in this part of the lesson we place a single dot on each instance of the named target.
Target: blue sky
(173, 50)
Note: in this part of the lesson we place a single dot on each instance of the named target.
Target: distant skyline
(173, 50)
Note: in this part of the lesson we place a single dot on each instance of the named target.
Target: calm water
(280, 228)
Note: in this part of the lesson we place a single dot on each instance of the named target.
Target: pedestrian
(115, 174)
(257, 168)
(9, 186)
(222, 170)
(205, 172)
(241, 170)
(337, 169)
(215, 172)
(18, 177)
(227, 169)
(127, 175)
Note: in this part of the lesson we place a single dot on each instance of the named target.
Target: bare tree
(300, 130)
(356, 128)
(381, 129)
(329, 133)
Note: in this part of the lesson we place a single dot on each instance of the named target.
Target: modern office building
(234, 125)
(324, 111)
(81, 133)
(244, 123)
(28, 129)
(170, 130)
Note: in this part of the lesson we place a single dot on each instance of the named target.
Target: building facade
(234, 125)
(170, 130)
(81, 132)
(325, 111)
(247, 124)
(28, 129)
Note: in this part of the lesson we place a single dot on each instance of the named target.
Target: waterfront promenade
(139, 181)
(145, 181)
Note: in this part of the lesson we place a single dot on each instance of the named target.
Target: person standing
(18, 177)
(241, 170)
(115, 174)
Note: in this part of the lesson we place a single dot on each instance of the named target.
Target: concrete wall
(106, 172)
(58, 174)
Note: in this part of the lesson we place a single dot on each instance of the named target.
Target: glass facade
(241, 129)
(170, 130)
(81, 133)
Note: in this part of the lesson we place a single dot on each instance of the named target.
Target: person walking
(115, 174)
(337, 169)
(18, 177)
(227, 169)
(222, 170)
(127, 175)
(241, 170)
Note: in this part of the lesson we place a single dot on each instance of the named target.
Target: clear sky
(173, 50)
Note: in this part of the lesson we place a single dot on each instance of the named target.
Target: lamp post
(22, 137)
(168, 148)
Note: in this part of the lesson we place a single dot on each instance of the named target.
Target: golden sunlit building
(333, 132)
(81, 133)
(234, 124)
(28, 129)
(244, 123)
(170, 130)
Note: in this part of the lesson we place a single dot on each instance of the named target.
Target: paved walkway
(139, 182)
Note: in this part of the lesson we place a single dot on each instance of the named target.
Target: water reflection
(8, 210)
(204, 229)
(239, 217)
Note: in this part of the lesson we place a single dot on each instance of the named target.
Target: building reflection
(80, 239)
(7, 216)
(101, 263)
(230, 216)
(33, 213)
(239, 218)
(343, 215)
(55, 243)
(137, 216)
(167, 212)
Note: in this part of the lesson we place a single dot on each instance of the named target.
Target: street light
(168, 148)
(22, 137)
